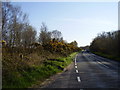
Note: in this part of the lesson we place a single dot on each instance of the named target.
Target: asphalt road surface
(88, 71)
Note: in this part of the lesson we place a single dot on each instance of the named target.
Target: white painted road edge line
(102, 64)
(78, 78)
(76, 71)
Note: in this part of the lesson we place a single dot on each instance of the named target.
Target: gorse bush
(61, 47)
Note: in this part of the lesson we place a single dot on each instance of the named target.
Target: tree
(57, 35)
(28, 36)
(14, 23)
(6, 19)
(106, 42)
(74, 43)
(44, 36)
(0, 24)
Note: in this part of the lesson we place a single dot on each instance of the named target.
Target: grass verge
(30, 75)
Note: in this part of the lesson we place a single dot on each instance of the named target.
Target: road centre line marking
(75, 66)
(78, 78)
(75, 60)
(76, 71)
(75, 57)
(75, 63)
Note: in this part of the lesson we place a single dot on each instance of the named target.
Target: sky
(80, 21)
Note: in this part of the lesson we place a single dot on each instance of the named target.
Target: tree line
(17, 32)
(107, 43)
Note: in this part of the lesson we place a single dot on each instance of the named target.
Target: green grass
(29, 76)
(107, 56)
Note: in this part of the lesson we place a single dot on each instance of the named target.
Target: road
(88, 71)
